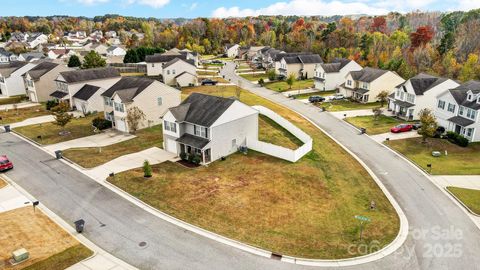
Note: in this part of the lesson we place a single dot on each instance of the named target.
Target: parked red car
(401, 128)
(5, 164)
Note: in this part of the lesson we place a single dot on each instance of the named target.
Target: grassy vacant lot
(271, 132)
(14, 116)
(304, 209)
(282, 86)
(469, 197)
(381, 125)
(254, 77)
(50, 247)
(78, 127)
(348, 105)
(90, 157)
(459, 161)
(13, 99)
(319, 93)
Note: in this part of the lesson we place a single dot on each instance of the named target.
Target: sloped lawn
(469, 197)
(382, 124)
(14, 116)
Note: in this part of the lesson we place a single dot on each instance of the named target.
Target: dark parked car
(417, 126)
(315, 99)
(439, 132)
(209, 82)
(217, 62)
(401, 128)
(5, 163)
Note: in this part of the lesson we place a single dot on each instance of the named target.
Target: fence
(279, 151)
(129, 67)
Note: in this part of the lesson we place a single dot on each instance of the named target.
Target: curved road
(118, 226)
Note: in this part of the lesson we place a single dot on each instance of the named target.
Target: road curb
(460, 201)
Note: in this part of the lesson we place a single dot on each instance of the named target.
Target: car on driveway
(209, 82)
(417, 126)
(315, 99)
(5, 163)
(401, 128)
(217, 62)
(337, 97)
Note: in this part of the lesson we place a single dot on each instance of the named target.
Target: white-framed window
(2, 80)
(469, 132)
(107, 101)
(451, 107)
(365, 85)
(168, 72)
(153, 65)
(470, 97)
(118, 107)
(159, 101)
(170, 126)
(411, 98)
(402, 95)
(349, 82)
(471, 113)
(441, 104)
(200, 131)
(173, 71)
(461, 110)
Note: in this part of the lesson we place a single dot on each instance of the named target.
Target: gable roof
(7, 69)
(336, 65)
(368, 74)
(424, 82)
(128, 88)
(201, 109)
(175, 60)
(163, 58)
(112, 48)
(41, 69)
(83, 75)
(185, 73)
(86, 92)
(460, 94)
(303, 59)
(32, 55)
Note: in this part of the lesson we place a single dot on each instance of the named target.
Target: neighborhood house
(329, 76)
(40, 81)
(11, 80)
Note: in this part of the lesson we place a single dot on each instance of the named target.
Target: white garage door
(171, 146)
(120, 125)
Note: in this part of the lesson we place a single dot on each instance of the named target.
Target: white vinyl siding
(170, 126)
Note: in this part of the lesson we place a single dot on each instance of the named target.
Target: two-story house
(35, 39)
(40, 81)
(231, 50)
(418, 93)
(458, 110)
(268, 57)
(11, 80)
(6, 56)
(364, 85)
(71, 82)
(179, 72)
(155, 62)
(329, 76)
(209, 126)
(152, 97)
(302, 66)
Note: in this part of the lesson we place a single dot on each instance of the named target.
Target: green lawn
(348, 105)
(469, 197)
(63, 259)
(254, 77)
(459, 160)
(282, 86)
(319, 93)
(89, 157)
(383, 124)
(78, 127)
(209, 73)
(303, 209)
(271, 132)
(13, 99)
(14, 116)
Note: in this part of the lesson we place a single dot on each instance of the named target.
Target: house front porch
(402, 109)
(191, 145)
(360, 95)
(461, 126)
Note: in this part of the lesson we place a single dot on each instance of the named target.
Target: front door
(458, 129)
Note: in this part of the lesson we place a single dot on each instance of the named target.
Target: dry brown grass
(22, 228)
(2, 183)
(14, 116)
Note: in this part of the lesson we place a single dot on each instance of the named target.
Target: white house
(329, 76)
(40, 81)
(152, 97)
(231, 50)
(60, 53)
(88, 99)
(116, 51)
(31, 56)
(35, 39)
(11, 79)
(71, 82)
(6, 56)
(99, 48)
(209, 126)
(458, 110)
(155, 62)
(179, 72)
(418, 93)
(302, 65)
(364, 85)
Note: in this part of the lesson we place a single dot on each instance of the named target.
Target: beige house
(152, 97)
(179, 72)
(302, 66)
(40, 81)
(364, 85)
(155, 62)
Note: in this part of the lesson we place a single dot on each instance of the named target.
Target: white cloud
(193, 6)
(304, 7)
(468, 4)
(153, 3)
(91, 2)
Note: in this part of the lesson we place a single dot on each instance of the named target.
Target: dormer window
(470, 97)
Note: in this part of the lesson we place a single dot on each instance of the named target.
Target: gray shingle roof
(464, 122)
(303, 58)
(7, 69)
(41, 69)
(460, 94)
(201, 109)
(163, 58)
(175, 60)
(83, 75)
(58, 94)
(192, 140)
(336, 65)
(86, 92)
(424, 82)
(129, 87)
(368, 74)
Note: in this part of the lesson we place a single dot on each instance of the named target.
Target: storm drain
(142, 244)
(276, 256)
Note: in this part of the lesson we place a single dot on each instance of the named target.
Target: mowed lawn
(348, 105)
(271, 132)
(382, 124)
(89, 157)
(254, 77)
(318, 93)
(14, 116)
(49, 132)
(282, 86)
(304, 209)
(12, 99)
(469, 197)
(50, 246)
(459, 160)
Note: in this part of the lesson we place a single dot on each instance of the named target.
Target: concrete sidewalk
(463, 181)
(395, 136)
(154, 155)
(33, 121)
(10, 199)
(99, 140)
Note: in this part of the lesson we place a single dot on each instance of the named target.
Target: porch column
(203, 156)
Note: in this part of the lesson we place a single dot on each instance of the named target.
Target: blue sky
(224, 8)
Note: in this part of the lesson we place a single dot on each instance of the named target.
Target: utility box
(20, 255)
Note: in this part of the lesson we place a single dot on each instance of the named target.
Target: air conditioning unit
(20, 255)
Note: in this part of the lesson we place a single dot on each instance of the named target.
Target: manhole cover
(142, 244)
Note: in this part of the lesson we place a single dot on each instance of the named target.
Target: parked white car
(336, 97)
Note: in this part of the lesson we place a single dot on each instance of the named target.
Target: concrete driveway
(11, 199)
(395, 136)
(352, 113)
(99, 140)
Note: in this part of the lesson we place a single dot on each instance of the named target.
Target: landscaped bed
(304, 209)
(49, 132)
(347, 105)
(90, 157)
(50, 247)
(458, 161)
(382, 124)
(282, 86)
(469, 197)
(18, 115)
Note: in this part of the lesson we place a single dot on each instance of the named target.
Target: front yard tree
(93, 60)
(429, 124)
(290, 80)
(74, 61)
(271, 75)
(134, 117)
(61, 115)
(382, 97)
(376, 113)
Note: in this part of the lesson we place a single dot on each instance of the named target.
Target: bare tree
(376, 113)
(134, 117)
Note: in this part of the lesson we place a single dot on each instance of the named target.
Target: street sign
(362, 218)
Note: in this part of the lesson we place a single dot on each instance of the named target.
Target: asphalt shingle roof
(83, 75)
(460, 94)
(41, 69)
(7, 69)
(336, 65)
(86, 92)
(129, 87)
(367, 74)
(163, 58)
(424, 82)
(192, 140)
